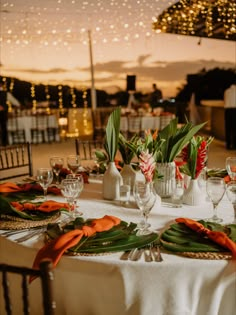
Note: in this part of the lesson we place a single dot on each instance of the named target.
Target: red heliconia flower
(201, 157)
(147, 165)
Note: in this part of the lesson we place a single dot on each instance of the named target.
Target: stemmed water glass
(80, 179)
(215, 187)
(56, 163)
(145, 198)
(73, 163)
(69, 190)
(231, 194)
(45, 178)
(231, 167)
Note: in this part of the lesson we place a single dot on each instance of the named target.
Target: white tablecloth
(101, 285)
(28, 122)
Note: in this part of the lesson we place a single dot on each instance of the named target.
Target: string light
(33, 96)
(60, 98)
(186, 18)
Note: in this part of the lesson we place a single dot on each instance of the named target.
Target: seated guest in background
(230, 116)
(155, 96)
(3, 117)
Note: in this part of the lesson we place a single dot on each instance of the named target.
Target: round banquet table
(105, 284)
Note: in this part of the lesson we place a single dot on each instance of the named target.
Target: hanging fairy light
(186, 18)
(60, 97)
(33, 97)
(73, 97)
(47, 98)
(11, 87)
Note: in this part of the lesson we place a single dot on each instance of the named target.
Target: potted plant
(112, 177)
(194, 156)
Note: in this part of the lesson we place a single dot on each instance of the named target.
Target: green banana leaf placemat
(120, 238)
(12, 219)
(181, 240)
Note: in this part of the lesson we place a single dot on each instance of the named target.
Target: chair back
(86, 148)
(16, 161)
(9, 276)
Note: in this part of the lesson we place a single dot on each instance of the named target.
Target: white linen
(28, 122)
(99, 285)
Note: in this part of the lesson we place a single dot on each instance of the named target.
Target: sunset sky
(46, 41)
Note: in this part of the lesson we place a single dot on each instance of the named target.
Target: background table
(99, 285)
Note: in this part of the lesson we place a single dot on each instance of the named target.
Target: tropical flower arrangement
(194, 156)
(169, 142)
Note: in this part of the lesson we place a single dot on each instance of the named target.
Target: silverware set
(151, 253)
(31, 232)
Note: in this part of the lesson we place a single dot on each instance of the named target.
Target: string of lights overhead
(213, 19)
(62, 23)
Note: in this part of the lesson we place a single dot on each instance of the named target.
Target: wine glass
(215, 187)
(73, 163)
(145, 198)
(231, 167)
(80, 179)
(231, 194)
(45, 178)
(69, 190)
(56, 163)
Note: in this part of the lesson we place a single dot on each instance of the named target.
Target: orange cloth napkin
(11, 187)
(218, 237)
(47, 206)
(56, 248)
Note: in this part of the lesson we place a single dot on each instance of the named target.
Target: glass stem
(215, 210)
(234, 205)
(45, 192)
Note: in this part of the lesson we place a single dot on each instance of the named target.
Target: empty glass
(231, 194)
(230, 165)
(69, 190)
(44, 178)
(80, 179)
(145, 198)
(56, 163)
(215, 187)
(73, 163)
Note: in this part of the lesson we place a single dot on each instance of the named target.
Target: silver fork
(30, 235)
(157, 253)
(148, 253)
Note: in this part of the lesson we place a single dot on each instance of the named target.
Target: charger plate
(8, 222)
(207, 255)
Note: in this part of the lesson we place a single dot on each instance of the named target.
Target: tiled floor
(42, 152)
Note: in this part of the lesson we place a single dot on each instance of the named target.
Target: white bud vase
(193, 195)
(128, 171)
(111, 182)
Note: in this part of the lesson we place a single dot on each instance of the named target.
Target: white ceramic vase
(128, 171)
(111, 182)
(193, 195)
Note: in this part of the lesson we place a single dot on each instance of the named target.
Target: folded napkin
(47, 206)
(13, 188)
(56, 248)
(218, 237)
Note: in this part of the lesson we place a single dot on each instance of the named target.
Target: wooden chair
(46, 277)
(15, 161)
(85, 148)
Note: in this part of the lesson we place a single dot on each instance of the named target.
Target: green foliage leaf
(112, 134)
(120, 238)
(180, 238)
